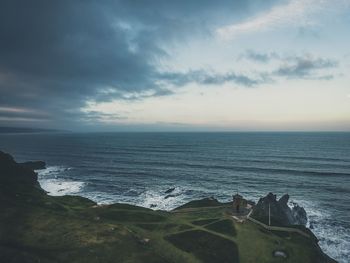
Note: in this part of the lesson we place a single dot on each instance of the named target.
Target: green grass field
(35, 227)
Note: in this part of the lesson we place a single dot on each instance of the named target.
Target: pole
(269, 215)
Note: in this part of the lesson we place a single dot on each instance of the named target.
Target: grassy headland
(36, 227)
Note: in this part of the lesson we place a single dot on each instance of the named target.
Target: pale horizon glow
(236, 109)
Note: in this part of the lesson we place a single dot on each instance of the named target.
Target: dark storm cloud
(297, 66)
(30, 115)
(258, 56)
(71, 49)
(93, 116)
(56, 55)
(212, 78)
(305, 67)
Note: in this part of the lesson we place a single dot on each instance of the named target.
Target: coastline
(46, 223)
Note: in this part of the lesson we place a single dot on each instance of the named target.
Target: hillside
(35, 227)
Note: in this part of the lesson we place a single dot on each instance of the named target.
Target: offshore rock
(299, 215)
(36, 227)
(168, 196)
(170, 190)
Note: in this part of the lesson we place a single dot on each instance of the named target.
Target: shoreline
(46, 212)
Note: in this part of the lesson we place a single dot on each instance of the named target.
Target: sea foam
(333, 239)
(51, 181)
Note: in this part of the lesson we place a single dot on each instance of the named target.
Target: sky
(185, 65)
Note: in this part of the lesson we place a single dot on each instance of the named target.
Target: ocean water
(137, 168)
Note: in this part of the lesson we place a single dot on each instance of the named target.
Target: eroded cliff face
(14, 175)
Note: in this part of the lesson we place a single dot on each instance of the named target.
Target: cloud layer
(304, 66)
(288, 13)
(55, 57)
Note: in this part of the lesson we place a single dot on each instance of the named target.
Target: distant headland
(25, 130)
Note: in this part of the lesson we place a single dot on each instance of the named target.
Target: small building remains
(239, 203)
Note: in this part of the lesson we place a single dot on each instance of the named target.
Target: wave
(50, 180)
(125, 169)
(52, 171)
(303, 158)
(57, 187)
(156, 199)
(334, 239)
(273, 170)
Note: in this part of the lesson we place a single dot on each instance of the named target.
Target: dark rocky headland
(36, 227)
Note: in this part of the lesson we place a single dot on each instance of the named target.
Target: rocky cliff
(36, 227)
(280, 213)
(14, 175)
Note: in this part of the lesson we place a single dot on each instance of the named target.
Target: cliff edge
(36, 227)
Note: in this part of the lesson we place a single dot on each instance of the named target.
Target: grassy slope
(35, 227)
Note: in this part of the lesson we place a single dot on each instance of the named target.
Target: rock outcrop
(170, 190)
(36, 227)
(280, 212)
(168, 196)
(299, 215)
(13, 174)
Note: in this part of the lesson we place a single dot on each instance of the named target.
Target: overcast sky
(239, 65)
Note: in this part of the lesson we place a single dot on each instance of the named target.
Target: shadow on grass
(225, 227)
(207, 247)
(16, 208)
(203, 222)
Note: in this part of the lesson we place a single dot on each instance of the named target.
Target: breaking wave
(333, 239)
(51, 181)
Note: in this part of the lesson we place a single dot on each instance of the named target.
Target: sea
(137, 168)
